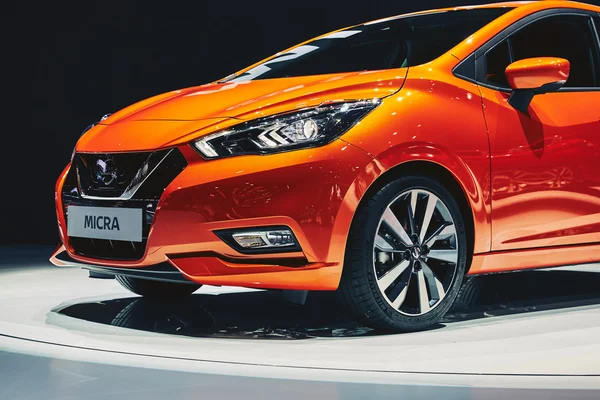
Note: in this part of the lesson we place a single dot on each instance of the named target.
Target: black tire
(359, 287)
(157, 289)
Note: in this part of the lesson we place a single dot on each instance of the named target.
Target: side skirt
(547, 257)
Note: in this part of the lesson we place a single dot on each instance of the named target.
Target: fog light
(261, 240)
(249, 240)
(264, 239)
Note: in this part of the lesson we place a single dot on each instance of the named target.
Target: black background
(67, 64)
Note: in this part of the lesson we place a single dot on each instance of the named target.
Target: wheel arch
(450, 169)
(439, 173)
(361, 285)
(376, 175)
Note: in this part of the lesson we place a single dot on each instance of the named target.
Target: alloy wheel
(415, 254)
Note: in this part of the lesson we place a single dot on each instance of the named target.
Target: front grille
(136, 180)
(108, 175)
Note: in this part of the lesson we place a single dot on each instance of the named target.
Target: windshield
(391, 43)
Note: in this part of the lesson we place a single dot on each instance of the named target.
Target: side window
(597, 24)
(564, 36)
(496, 60)
(567, 37)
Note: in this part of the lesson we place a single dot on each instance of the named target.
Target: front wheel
(406, 256)
(157, 289)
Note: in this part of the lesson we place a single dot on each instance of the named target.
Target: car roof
(509, 4)
(541, 4)
(531, 6)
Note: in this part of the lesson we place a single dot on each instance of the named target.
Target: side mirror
(535, 76)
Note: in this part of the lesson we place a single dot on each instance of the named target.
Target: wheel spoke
(397, 303)
(392, 222)
(398, 294)
(414, 195)
(444, 255)
(385, 281)
(412, 210)
(431, 204)
(445, 231)
(435, 286)
(382, 244)
(424, 305)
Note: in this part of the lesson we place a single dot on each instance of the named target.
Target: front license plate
(105, 223)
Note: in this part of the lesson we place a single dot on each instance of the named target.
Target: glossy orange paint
(545, 257)
(402, 130)
(544, 192)
(534, 73)
(301, 189)
(427, 117)
(184, 115)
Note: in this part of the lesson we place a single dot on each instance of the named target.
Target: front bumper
(314, 192)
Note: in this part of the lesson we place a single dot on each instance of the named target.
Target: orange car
(386, 160)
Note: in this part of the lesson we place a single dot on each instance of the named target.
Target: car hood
(180, 116)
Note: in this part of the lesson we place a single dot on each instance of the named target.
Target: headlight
(306, 128)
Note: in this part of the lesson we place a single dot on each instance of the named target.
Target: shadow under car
(265, 314)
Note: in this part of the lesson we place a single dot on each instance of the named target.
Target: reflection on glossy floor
(264, 314)
(535, 330)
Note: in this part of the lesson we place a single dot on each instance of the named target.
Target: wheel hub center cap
(416, 252)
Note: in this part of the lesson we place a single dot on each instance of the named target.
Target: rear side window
(565, 36)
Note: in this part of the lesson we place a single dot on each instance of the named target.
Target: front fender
(435, 118)
(477, 197)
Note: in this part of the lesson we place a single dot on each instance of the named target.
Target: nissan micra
(386, 161)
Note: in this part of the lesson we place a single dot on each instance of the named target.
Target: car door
(545, 164)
